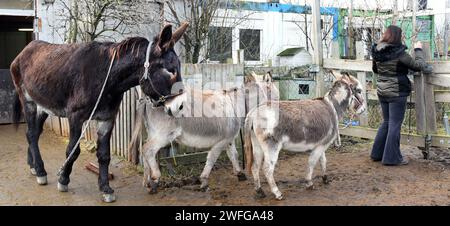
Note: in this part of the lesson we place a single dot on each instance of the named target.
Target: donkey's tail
(17, 105)
(140, 114)
(17, 111)
(248, 130)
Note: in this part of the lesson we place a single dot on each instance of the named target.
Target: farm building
(244, 25)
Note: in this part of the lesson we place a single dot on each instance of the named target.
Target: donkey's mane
(336, 85)
(339, 107)
(133, 44)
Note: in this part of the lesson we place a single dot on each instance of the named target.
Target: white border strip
(16, 12)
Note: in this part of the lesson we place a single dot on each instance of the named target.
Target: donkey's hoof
(62, 187)
(108, 198)
(33, 171)
(325, 179)
(152, 190)
(146, 184)
(152, 187)
(204, 188)
(310, 187)
(279, 197)
(241, 176)
(41, 180)
(260, 194)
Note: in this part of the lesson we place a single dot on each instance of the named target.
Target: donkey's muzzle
(169, 112)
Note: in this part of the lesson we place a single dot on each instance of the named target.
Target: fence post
(425, 101)
(318, 49)
(56, 125)
(363, 118)
(133, 152)
(419, 103)
(429, 95)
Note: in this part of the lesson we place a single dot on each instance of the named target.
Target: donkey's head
(347, 91)
(260, 88)
(163, 80)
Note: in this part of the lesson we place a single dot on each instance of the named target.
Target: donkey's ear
(180, 31)
(254, 75)
(250, 77)
(336, 74)
(165, 37)
(346, 77)
(268, 77)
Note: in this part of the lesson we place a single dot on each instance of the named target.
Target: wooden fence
(425, 99)
(210, 76)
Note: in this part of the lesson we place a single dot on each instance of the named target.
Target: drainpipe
(350, 32)
(414, 25)
(446, 29)
(395, 17)
(446, 123)
(36, 21)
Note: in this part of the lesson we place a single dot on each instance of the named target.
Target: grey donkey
(202, 119)
(298, 126)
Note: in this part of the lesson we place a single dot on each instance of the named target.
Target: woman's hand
(418, 45)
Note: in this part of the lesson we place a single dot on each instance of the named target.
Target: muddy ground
(355, 179)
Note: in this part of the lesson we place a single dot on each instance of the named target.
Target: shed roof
(292, 51)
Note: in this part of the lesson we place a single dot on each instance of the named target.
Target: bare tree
(328, 25)
(304, 28)
(439, 42)
(372, 22)
(88, 20)
(202, 15)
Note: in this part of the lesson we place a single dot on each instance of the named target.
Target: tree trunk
(73, 29)
(306, 32)
(187, 49)
(196, 53)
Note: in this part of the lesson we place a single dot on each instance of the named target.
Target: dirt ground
(355, 179)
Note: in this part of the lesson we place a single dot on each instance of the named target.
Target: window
(17, 4)
(250, 41)
(219, 43)
(422, 5)
(303, 89)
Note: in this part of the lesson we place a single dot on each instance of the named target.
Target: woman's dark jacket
(391, 63)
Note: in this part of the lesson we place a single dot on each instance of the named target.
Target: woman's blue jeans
(386, 147)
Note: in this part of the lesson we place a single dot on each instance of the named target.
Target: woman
(391, 62)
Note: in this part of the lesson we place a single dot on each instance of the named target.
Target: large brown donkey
(66, 80)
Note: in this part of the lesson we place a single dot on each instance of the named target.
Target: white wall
(279, 31)
(48, 32)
